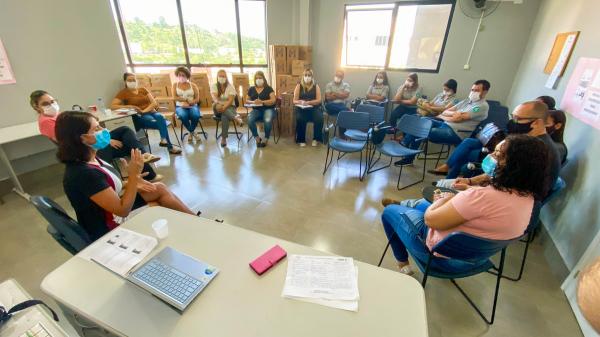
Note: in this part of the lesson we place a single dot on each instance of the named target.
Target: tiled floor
(280, 191)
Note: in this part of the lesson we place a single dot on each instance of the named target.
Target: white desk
(11, 293)
(11, 134)
(114, 120)
(237, 302)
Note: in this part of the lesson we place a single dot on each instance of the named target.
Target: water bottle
(100, 105)
(473, 166)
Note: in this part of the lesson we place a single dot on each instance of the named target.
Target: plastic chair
(534, 222)
(376, 116)
(275, 120)
(169, 123)
(411, 125)
(66, 231)
(217, 120)
(183, 133)
(347, 120)
(466, 255)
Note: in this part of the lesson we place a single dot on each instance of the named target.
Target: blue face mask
(488, 165)
(102, 139)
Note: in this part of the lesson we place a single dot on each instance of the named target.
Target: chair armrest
(420, 139)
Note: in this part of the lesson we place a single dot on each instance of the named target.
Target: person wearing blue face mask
(100, 199)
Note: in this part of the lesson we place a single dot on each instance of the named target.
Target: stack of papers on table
(120, 250)
(327, 280)
(304, 106)
(252, 105)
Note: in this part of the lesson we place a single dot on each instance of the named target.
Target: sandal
(223, 144)
(150, 158)
(163, 143)
(174, 151)
(437, 173)
(407, 270)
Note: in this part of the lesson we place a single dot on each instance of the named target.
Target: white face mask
(131, 85)
(408, 83)
(337, 79)
(474, 96)
(222, 80)
(260, 82)
(447, 92)
(307, 79)
(379, 80)
(52, 110)
(182, 79)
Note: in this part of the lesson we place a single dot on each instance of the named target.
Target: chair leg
(147, 140)
(276, 137)
(202, 128)
(522, 269)
(217, 134)
(175, 132)
(496, 292)
(360, 168)
(426, 272)
(383, 255)
(330, 159)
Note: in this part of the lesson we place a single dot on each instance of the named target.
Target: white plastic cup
(161, 228)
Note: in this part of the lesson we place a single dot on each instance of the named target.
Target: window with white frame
(406, 35)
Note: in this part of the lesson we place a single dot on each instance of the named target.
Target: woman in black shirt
(92, 185)
(261, 94)
(307, 98)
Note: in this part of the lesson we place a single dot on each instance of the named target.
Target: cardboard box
(305, 53)
(165, 106)
(284, 84)
(160, 80)
(298, 67)
(241, 83)
(292, 54)
(158, 92)
(279, 67)
(278, 52)
(200, 79)
(143, 80)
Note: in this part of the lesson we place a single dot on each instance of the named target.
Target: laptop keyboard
(168, 280)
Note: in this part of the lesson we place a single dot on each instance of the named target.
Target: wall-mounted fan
(479, 9)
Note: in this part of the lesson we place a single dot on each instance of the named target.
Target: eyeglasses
(517, 118)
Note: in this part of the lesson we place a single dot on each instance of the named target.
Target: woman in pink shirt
(501, 210)
(47, 109)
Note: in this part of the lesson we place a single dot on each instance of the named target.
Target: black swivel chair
(61, 226)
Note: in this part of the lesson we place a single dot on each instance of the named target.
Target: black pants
(303, 116)
(126, 136)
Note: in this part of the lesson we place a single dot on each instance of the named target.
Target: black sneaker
(261, 144)
(403, 161)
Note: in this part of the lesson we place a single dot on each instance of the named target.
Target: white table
(237, 302)
(12, 134)
(11, 293)
(114, 120)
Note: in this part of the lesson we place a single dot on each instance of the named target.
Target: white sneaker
(314, 143)
(302, 144)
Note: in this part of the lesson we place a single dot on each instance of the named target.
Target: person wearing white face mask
(223, 95)
(440, 102)
(122, 139)
(406, 97)
(142, 101)
(186, 97)
(263, 97)
(307, 98)
(378, 90)
(336, 95)
(457, 122)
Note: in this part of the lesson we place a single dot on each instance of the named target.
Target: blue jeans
(335, 108)
(442, 133)
(467, 151)
(154, 121)
(405, 234)
(266, 116)
(189, 117)
(400, 111)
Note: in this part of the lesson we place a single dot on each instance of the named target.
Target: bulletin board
(557, 48)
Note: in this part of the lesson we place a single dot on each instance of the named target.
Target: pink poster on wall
(582, 96)
(6, 74)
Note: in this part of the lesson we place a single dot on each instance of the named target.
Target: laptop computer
(173, 277)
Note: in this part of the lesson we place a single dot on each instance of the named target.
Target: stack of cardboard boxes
(241, 83)
(287, 65)
(201, 81)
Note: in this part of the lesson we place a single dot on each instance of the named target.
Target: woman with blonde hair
(307, 101)
(223, 95)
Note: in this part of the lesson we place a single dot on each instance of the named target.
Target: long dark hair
(526, 169)
(70, 125)
(34, 98)
(558, 116)
(385, 79)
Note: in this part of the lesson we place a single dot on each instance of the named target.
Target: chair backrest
(559, 185)
(353, 120)
(414, 125)
(469, 248)
(497, 114)
(376, 112)
(62, 227)
(493, 103)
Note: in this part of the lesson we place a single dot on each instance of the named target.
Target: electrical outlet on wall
(466, 67)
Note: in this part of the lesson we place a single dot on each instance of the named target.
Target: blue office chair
(410, 125)
(66, 231)
(466, 255)
(347, 120)
(534, 222)
(376, 116)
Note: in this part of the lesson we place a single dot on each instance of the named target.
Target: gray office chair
(61, 226)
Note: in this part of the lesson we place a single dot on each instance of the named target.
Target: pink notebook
(264, 262)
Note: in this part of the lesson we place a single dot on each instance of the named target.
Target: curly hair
(526, 170)
(70, 125)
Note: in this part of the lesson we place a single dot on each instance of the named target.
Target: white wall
(496, 56)
(573, 219)
(67, 47)
(287, 21)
